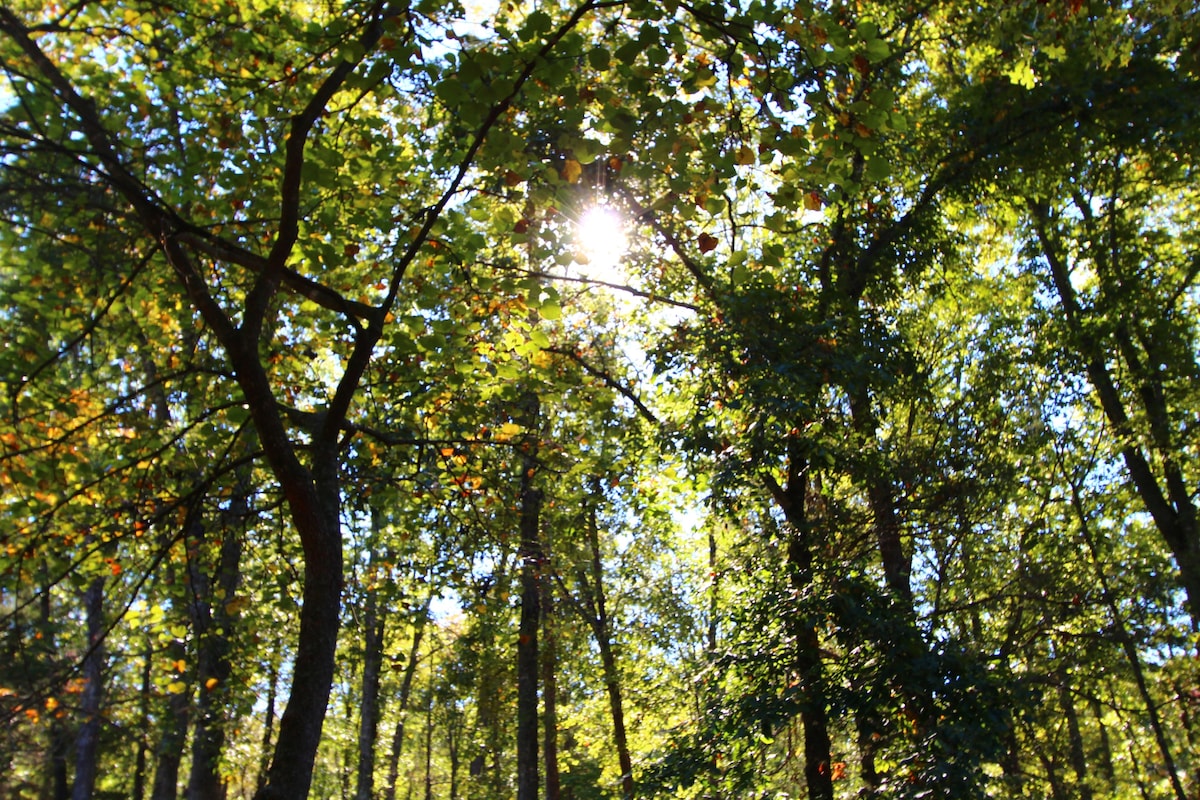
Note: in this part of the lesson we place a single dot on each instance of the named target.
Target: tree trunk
(550, 692)
(1106, 753)
(429, 695)
(212, 623)
(1127, 644)
(87, 743)
(143, 744)
(410, 669)
(1074, 737)
(315, 513)
(169, 754)
(374, 624)
(1173, 510)
(714, 592)
(792, 499)
(595, 613)
(264, 759)
(60, 745)
(531, 558)
(56, 785)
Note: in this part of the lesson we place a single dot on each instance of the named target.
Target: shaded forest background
(858, 459)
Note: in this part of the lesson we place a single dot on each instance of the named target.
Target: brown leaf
(707, 243)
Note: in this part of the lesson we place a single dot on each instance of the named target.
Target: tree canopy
(620, 398)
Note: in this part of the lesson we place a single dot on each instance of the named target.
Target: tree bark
(1127, 643)
(532, 559)
(550, 691)
(143, 745)
(57, 786)
(374, 624)
(410, 669)
(595, 613)
(792, 499)
(1074, 738)
(315, 512)
(211, 623)
(264, 760)
(87, 743)
(171, 746)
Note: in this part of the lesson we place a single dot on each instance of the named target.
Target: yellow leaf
(176, 687)
(571, 171)
(236, 605)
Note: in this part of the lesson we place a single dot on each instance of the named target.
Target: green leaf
(599, 57)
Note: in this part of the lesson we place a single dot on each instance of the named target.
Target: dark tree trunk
(550, 692)
(264, 758)
(212, 623)
(59, 744)
(454, 734)
(792, 499)
(532, 558)
(1127, 644)
(1166, 497)
(594, 610)
(169, 754)
(87, 742)
(881, 498)
(143, 745)
(429, 698)
(374, 624)
(1106, 753)
(315, 512)
(1074, 737)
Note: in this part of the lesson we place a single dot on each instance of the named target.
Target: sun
(602, 243)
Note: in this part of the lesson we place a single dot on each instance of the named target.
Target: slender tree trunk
(1173, 510)
(793, 501)
(264, 758)
(531, 558)
(1127, 643)
(488, 780)
(1106, 753)
(375, 624)
(60, 745)
(596, 615)
(881, 497)
(1057, 790)
(143, 745)
(714, 592)
(550, 692)
(57, 787)
(171, 746)
(429, 695)
(1074, 737)
(410, 669)
(87, 743)
(455, 726)
(212, 624)
(868, 744)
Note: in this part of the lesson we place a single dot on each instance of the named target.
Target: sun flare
(602, 243)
